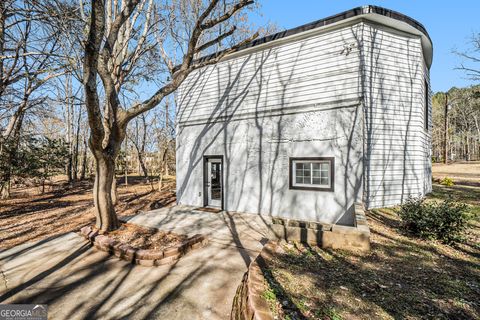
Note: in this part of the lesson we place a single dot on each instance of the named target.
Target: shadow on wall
(394, 146)
(250, 109)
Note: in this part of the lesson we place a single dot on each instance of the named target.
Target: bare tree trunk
(5, 190)
(142, 147)
(467, 147)
(139, 145)
(445, 128)
(163, 167)
(165, 170)
(44, 179)
(76, 148)
(114, 189)
(160, 181)
(84, 158)
(141, 161)
(102, 193)
(69, 130)
(15, 119)
(126, 163)
(2, 44)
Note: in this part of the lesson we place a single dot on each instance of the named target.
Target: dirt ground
(141, 237)
(30, 216)
(400, 278)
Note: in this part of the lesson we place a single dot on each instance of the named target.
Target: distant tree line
(461, 109)
(456, 113)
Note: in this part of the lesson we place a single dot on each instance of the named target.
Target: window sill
(328, 189)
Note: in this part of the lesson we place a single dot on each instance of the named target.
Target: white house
(304, 123)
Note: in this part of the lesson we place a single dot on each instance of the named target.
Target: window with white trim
(312, 173)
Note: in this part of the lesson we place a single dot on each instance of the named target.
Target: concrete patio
(78, 282)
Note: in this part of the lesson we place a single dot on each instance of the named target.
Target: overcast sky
(450, 25)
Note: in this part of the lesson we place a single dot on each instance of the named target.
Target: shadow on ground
(78, 282)
(400, 278)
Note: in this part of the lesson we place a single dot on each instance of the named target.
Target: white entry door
(214, 183)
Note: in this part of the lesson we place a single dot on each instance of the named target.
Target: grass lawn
(400, 278)
(465, 173)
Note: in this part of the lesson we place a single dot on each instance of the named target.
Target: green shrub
(447, 182)
(445, 220)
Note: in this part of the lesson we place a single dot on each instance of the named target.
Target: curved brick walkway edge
(143, 257)
(248, 302)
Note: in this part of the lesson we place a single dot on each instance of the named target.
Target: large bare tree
(471, 58)
(28, 61)
(118, 36)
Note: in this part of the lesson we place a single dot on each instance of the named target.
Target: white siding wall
(355, 93)
(314, 70)
(300, 99)
(397, 146)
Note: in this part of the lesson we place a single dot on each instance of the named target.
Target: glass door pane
(215, 180)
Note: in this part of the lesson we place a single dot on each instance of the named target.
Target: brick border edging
(356, 237)
(248, 302)
(147, 258)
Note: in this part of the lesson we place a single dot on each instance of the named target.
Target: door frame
(205, 178)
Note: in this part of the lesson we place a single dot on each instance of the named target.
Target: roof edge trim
(366, 11)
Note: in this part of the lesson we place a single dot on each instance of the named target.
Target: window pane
(312, 173)
(324, 174)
